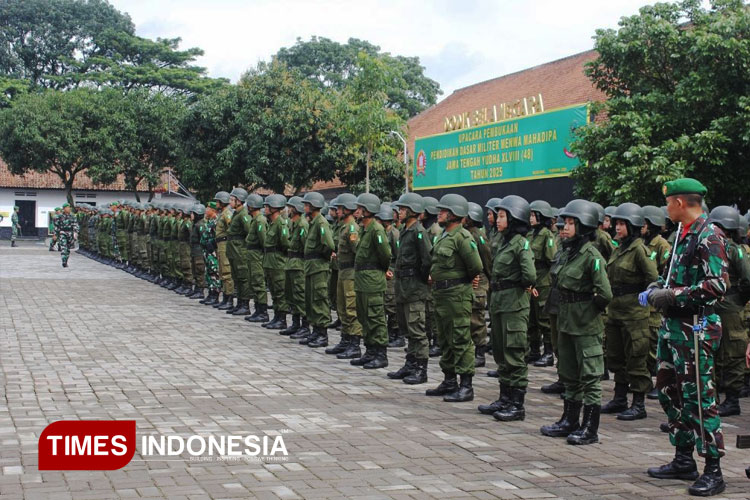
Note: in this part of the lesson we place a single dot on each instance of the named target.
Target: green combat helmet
(455, 204)
(369, 202)
(239, 193)
(492, 204)
(599, 210)
(475, 212)
(296, 203)
(430, 205)
(725, 217)
(254, 201)
(631, 213)
(347, 201)
(275, 201)
(198, 209)
(654, 215)
(610, 211)
(543, 208)
(743, 226)
(517, 207)
(584, 211)
(314, 199)
(412, 201)
(385, 213)
(223, 197)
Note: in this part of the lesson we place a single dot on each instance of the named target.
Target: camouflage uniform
(211, 262)
(14, 226)
(67, 225)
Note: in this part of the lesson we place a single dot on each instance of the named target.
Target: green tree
(334, 65)
(65, 133)
(677, 78)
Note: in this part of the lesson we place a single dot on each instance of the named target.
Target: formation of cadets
(588, 286)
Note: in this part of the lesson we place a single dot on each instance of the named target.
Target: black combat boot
(619, 402)
(515, 409)
(434, 347)
(479, 359)
(637, 410)
(227, 304)
(731, 404)
(447, 386)
(493, 374)
(310, 336)
(380, 360)
(419, 375)
(548, 357)
(243, 308)
(304, 330)
(260, 315)
(396, 339)
(368, 356)
(278, 323)
(664, 427)
(187, 289)
(341, 346)
(197, 294)
(711, 481)
(681, 467)
(464, 393)
(173, 284)
(568, 423)
(212, 300)
(293, 327)
(13, 243)
(745, 391)
(588, 433)
(554, 388)
(653, 394)
(409, 366)
(352, 349)
(321, 338)
(501, 402)
(534, 354)
(334, 324)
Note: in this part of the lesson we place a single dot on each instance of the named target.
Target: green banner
(531, 147)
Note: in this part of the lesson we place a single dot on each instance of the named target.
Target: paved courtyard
(92, 342)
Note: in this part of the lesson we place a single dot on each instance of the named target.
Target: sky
(459, 42)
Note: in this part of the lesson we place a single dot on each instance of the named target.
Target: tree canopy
(677, 80)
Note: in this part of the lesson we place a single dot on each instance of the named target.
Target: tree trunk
(68, 182)
(367, 170)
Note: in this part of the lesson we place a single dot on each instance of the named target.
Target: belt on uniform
(294, 255)
(315, 256)
(255, 247)
(345, 265)
(367, 267)
(235, 237)
(496, 286)
(687, 313)
(220, 239)
(407, 272)
(568, 297)
(444, 284)
(619, 291)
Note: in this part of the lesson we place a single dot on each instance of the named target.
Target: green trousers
(730, 360)
(411, 322)
(275, 279)
(225, 269)
(317, 307)
(185, 262)
(581, 366)
(389, 302)
(371, 315)
(453, 322)
(198, 268)
(346, 307)
(257, 277)
(238, 262)
(509, 347)
(539, 322)
(294, 288)
(478, 324)
(627, 352)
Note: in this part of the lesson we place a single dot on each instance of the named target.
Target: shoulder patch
(473, 245)
(481, 239)
(244, 217)
(653, 255)
(398, 245)
(666, 254)
(260, 227)
(351, 228)
(322, 230)
(302, 231)
(550, 242)
(525, 244)
(380, 240)
(739, 250)
(596, 265)
(283, 231)
(419, 236)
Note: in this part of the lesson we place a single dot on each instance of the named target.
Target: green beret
(212, 204)
(686, 185)
(57, 209)
(16, 208)
(65, 205)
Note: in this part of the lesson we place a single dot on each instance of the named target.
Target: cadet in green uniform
(412, 270)
(333, 216)
(552, 308)
(455, 267)
(347, 239)
(121, 221)
(513, 276)
(730, 359)
(276, 244)
(687, 297)
(294, 284)
(542, 242)
(395, 336)
(584, 292)
(254, 243)
(370, 266)
(184, 229)
(317, 254)
(237, 231)
(473, 224)
(432, 231)
(197, 261)
(660, 251)
(225, 269)
(630, 269)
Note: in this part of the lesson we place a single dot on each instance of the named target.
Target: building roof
(49, 180)
(561, 83)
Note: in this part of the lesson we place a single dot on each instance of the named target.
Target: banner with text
(531, 147)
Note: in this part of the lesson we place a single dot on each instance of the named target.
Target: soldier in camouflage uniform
(730, 365)
(473, 224)
(513, 277)
(276, 244)
(412, 271)
(687, 297)
(542, 242)
(15, 226)
(210, 260)
(294, 284)
(67, 227)
(53, 229)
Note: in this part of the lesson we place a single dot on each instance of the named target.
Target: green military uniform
(237, 253)
(333, 279)
(603, 243)
(14, 226)
(276, 244)
(346, 300)
(318, 247)
(432, 233)
(389, 298)
(542, 242)
(479, 304)
(222, 232)
(121, 223)
(294, 285)
(255, 242)
(197, 259)
(184, 230)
